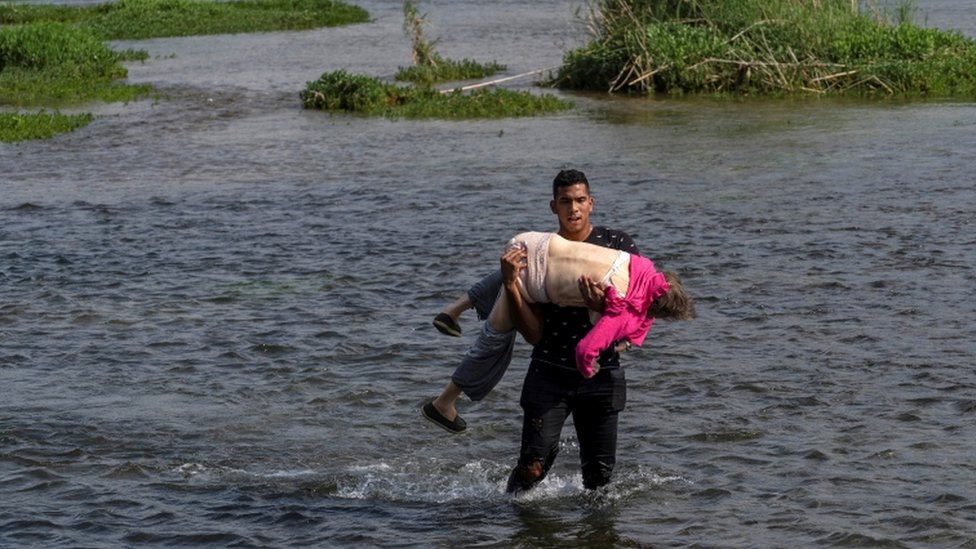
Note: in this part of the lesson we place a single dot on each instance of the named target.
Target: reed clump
(342, 91)
(767, 47)
(429, 67)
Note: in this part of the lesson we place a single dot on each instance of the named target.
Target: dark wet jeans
(549, 395)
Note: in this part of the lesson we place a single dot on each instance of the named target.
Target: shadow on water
(567, 527)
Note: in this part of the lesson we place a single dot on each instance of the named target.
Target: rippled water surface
(215, 314)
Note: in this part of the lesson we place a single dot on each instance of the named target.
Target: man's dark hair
(566, 178)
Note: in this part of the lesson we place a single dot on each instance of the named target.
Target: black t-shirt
(563, 327)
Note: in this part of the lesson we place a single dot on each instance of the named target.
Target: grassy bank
(768, 47)
(53, 55)
(52, 64)
(139, 19)
(341, 91)
(21, 127)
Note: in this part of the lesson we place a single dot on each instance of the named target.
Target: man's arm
(592, 293)
(591, 290)
(526, 318)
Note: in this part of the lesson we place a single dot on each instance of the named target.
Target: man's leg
(595, 414)
(544, 411)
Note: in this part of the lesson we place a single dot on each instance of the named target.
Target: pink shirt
(624, 317)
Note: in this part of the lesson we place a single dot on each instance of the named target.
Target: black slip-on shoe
(436, 418)
(446, 325)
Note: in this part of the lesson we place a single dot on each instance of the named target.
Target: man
(553, 387)
(482, 367)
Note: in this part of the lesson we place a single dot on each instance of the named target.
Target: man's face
(573, 205)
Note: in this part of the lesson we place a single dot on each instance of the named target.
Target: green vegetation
(429, 67)
(139, 19)
(767, 47)
(341, 91)
(55, 64)
(54, 55)
(20, 127)
(447, 70)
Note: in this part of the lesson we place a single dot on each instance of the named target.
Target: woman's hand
(622, 345)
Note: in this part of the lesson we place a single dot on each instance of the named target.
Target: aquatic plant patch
(139, 19)
(342, 91)
(26, 88)
(767, 47)
(16, 127)
(55, 63)
(56, 46)
(447, 70)
(55, 54)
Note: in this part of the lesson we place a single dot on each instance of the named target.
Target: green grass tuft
(16, 127)
(341, 91)
(447, 70)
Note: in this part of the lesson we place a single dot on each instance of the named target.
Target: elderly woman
(552, 267)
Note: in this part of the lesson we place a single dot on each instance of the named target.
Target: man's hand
(525, 316)
(593, 294)
(512, 262)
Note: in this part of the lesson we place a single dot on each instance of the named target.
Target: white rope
(495, 81)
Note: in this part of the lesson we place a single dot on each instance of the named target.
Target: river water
(215, 314)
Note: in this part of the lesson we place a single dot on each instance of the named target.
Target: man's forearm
(527, 321)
